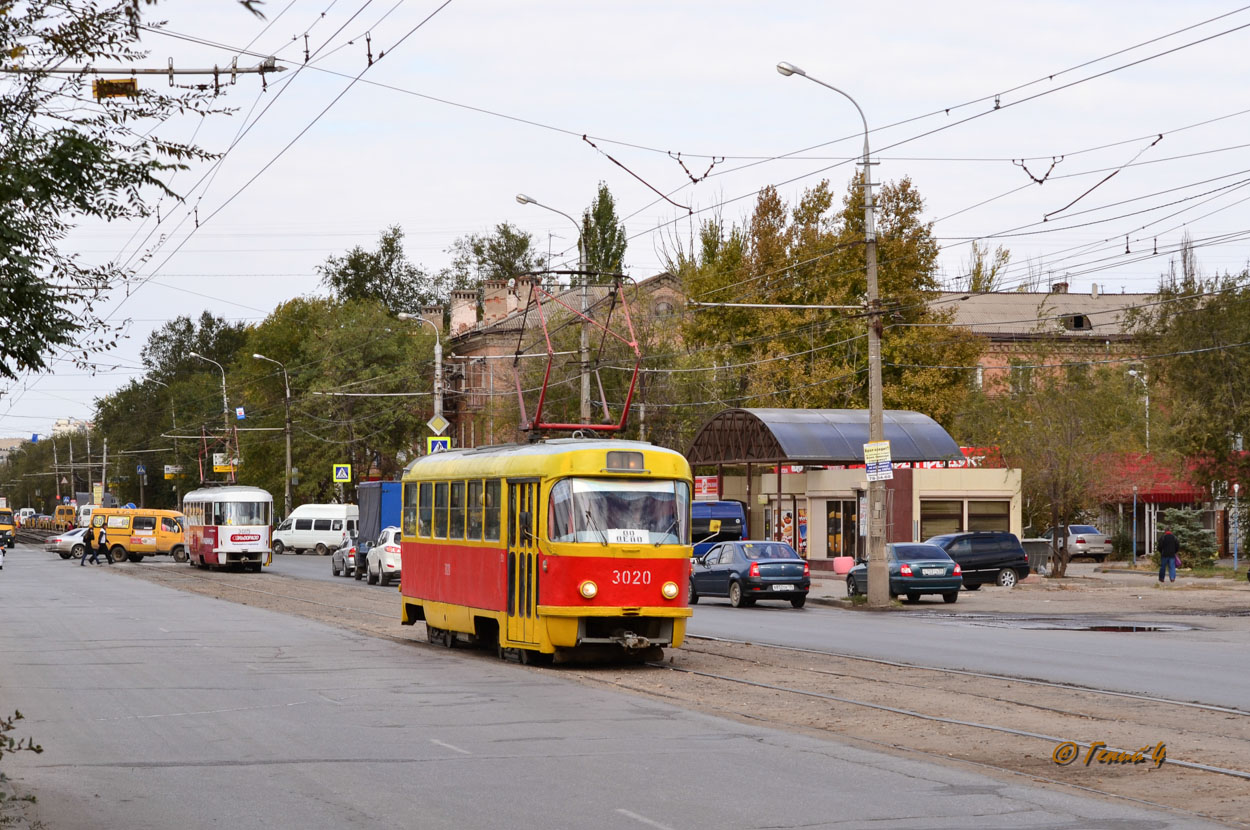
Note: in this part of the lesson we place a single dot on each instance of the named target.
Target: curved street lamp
(438, 362)
(878, 570)
(581, 267)
(286, 382)
(225, 404)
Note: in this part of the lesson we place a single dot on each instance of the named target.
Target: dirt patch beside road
(835, 696)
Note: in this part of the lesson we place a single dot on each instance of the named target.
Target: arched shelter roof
(816, 436)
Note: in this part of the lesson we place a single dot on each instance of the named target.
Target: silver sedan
(67, 544)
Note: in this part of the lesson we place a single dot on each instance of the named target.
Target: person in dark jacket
(1169, 550)
(88, 544)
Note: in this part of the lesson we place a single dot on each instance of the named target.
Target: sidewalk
(1089, 587)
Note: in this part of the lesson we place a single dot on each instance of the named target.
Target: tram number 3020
(631, 577)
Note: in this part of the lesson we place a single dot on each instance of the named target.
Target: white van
(84, 515)
(317, 527)
(25, 514)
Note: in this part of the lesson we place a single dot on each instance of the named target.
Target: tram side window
(425, 510)
(409, 521)
(490, 506)
(456, 530)
(440, 510)
(473, 511)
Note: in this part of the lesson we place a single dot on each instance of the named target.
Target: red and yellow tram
(558, 547)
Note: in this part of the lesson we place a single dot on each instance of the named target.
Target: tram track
(998, 723)
(1076, 687)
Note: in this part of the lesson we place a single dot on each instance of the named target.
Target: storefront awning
(816, 436)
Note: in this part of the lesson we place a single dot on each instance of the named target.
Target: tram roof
(234, 492)
(481, 458)
(816, 436)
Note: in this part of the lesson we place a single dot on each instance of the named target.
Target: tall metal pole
(286, 402)
(438, 361)
(878, 569)
(1134, 525)
(584, 354)
(1236, 525)
(225, 403)
(56, 471)
(104, 472)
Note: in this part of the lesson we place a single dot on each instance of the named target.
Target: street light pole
(878, 570)
(173, 420)
(581, 267)
(438, 361)
(286, 401)
(1146, 386)
(1134, 525)
(1236, 526)
(225, 404)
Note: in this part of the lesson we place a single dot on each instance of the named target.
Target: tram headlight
(588, 589)
(669, 590)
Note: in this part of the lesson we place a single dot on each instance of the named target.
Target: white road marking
(643, 819)
(449, 746)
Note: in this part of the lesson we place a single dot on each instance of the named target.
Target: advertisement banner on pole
(877, 461)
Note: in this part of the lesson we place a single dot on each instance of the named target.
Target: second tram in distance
(228, 526)
(562, 547)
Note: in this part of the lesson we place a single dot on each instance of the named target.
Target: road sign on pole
(140, 469)
(438, 424)
(435, 444)
(342, 473)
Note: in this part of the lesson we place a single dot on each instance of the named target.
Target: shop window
(989, 515)
(941, 516)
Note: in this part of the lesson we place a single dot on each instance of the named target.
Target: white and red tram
(228, 526)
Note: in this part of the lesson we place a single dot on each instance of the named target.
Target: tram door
(523, 561)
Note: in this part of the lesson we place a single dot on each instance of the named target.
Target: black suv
(986, 557)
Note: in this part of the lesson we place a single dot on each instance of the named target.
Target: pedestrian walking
(1169, 551)
(88, 544)
(1, 556)
(102, 547)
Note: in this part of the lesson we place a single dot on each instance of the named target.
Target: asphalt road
(159, 708)
(1207, 665)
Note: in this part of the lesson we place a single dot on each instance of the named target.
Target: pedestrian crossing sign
(437, 443)
(342, 473)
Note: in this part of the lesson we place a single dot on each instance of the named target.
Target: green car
(915, 569)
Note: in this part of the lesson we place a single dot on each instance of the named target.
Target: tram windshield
(240, 513)
(620, 512)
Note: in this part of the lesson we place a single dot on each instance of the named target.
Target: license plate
(783, 587)
(933, 571)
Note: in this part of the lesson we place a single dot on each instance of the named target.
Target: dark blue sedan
(915, 569)
(748, 571)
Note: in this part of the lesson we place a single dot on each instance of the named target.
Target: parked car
(986, 557)
(916, 569)
(317, 527)
(1084, 540)
(343, 560)
(749, 571)
(383, 560)
(67, 544)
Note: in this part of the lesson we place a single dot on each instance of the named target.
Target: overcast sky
(488, 99)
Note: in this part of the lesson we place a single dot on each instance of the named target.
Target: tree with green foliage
(985, 270)
(499, 255)
(1198, 545)
(1055, 425)
(66, 157)
(1197, 333)
(384, 275)
(603, 236)
(813, 254)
